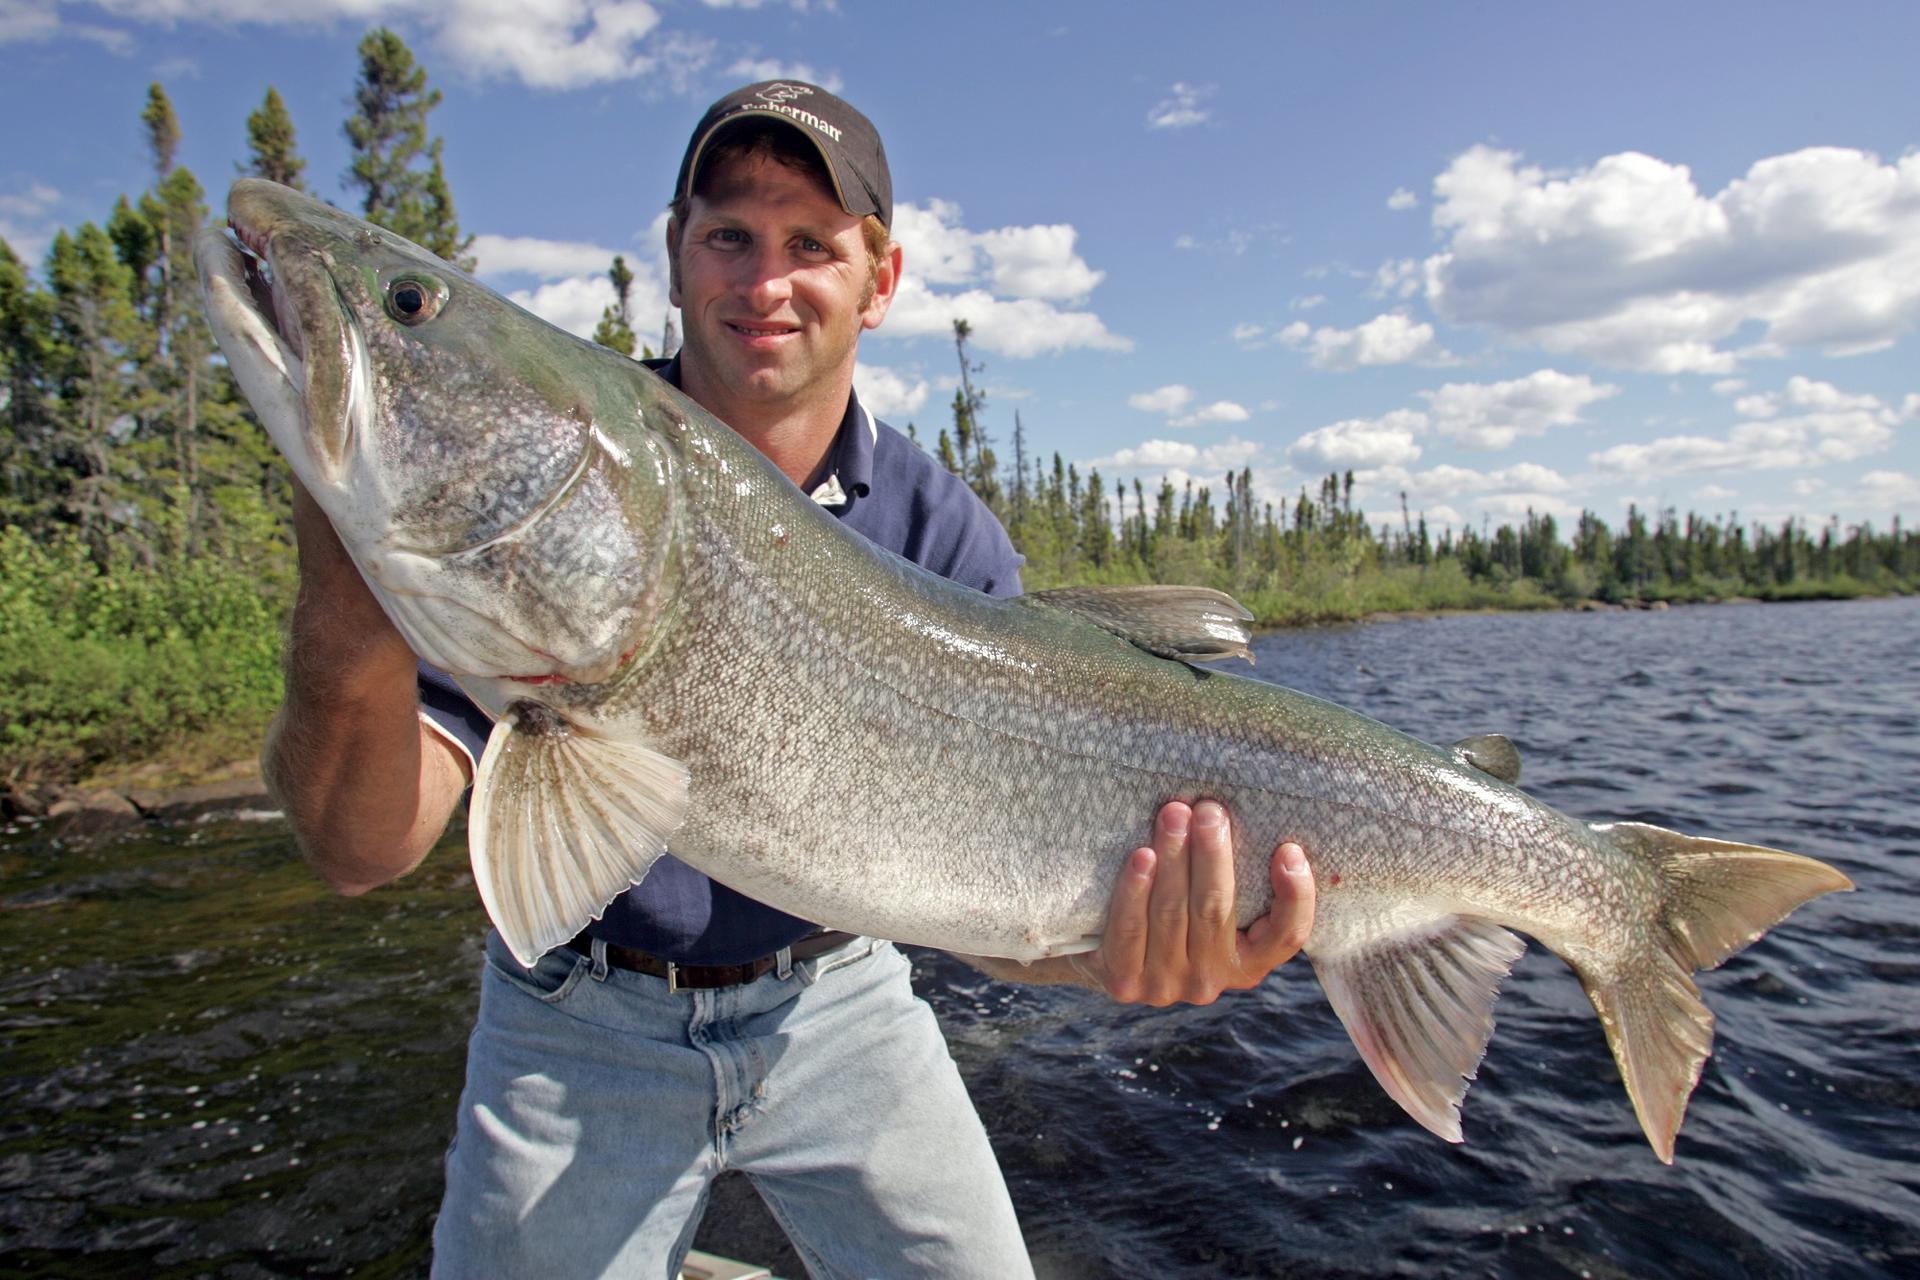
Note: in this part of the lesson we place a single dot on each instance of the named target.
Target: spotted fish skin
(682, 649)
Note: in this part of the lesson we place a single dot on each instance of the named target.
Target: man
(691, 1029)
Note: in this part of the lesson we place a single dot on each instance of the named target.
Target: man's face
(772, 283)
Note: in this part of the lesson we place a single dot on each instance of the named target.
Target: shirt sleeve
(453, 714)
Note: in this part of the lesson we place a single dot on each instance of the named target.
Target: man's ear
(886, 285)
(673, 261)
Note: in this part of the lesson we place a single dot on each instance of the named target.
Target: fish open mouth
(290, 341)
(267, 301)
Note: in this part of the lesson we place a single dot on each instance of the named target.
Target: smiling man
(690, 1029)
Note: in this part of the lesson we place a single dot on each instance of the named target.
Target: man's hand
(1170, 930)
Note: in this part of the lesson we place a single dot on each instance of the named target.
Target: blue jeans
(598, 1108)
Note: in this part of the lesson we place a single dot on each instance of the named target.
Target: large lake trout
(680, 648)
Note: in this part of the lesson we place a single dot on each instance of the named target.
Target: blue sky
(1496, 256)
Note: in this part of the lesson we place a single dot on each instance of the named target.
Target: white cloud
(1038, 262)
(938, 249)
(1402, 199)
(574, 287)
(1507, 494)
(1181, 109)
(1306, 303)
(574, 304)
(546, 259)
(1218, 411)
(1399, 278)
(1151, 455)
(1361, 442)
(753, 70)
(1172, 399)
(887, 393)
(1390, 338)
(546, 44)
(1729, 386)
(1018, 327)
(1629, 263)
(1889, 490)
(1017, 274)
(1529, 475)
(37, 21)
(1494, 415)
(1807, 424)
(27, 221)
(1713, 493)
(1023, 262)
(1168, 399)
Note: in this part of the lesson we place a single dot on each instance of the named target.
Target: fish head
(490, 475)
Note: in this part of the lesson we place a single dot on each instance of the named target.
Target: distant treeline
(1317, 557)
(145, 556)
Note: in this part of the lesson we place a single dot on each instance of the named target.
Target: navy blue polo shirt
(884, 487)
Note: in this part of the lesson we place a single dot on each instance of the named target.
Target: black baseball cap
(846, 140)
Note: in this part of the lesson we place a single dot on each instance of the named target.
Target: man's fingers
(1276, 937)
(1211, 942)
(1167, 905)
(1122, 955)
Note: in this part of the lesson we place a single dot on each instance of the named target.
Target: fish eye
(415, 299)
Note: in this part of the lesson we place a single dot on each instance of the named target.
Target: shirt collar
(849, 459)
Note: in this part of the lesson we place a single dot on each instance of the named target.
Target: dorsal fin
(1187, 624)
(1491, 753)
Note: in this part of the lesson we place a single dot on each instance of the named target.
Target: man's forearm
(366, 787)
(367, 791)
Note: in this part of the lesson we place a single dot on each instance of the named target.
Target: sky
(1496, 257)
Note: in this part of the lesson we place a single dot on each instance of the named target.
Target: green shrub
(115, 663)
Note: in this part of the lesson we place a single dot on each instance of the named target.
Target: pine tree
(95, 331)
(616, 322)
(271, 144)
(163, 129)
(978, 467)
(389, 137)
(26, 322)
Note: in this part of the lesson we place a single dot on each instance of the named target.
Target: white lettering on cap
(777, 97)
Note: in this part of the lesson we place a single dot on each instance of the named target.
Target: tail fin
(1719, 896)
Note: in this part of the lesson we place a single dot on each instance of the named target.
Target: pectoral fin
(561, 821)
(1418, 1003)
(1187, 624)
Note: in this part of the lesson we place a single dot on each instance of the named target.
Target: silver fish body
(680, 647)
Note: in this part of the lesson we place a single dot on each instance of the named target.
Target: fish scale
(680, 648)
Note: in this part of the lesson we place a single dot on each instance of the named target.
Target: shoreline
(61, 812)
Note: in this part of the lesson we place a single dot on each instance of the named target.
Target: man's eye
(728, 235)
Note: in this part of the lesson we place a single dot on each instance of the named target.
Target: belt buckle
(673, 979)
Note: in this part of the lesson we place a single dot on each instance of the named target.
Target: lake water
(209, 1066)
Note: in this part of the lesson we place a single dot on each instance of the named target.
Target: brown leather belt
(700, 977)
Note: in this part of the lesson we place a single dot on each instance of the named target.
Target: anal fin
(561, 821)
(1418, 1003)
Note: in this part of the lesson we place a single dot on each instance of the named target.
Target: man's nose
(764, 278)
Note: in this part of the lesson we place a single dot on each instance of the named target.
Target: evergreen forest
(146, 562)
